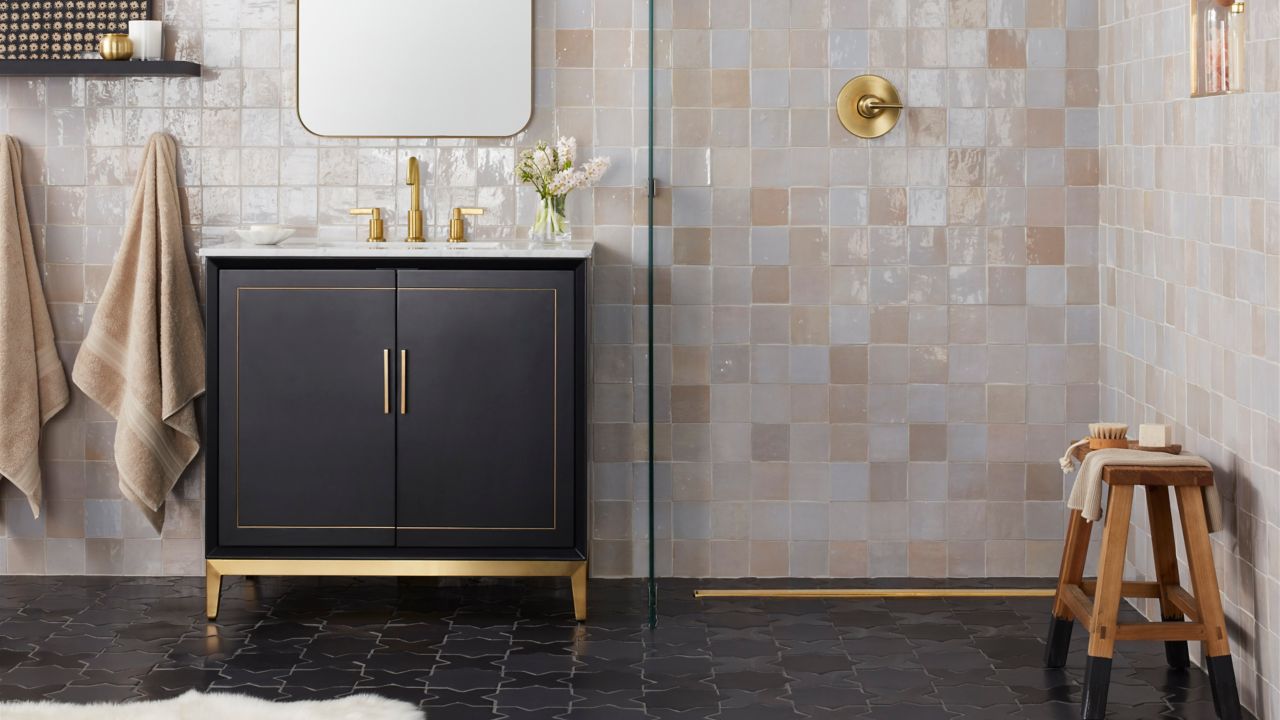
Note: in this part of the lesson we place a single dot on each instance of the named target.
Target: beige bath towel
(1086, 494)
(143, 360)
(33, 385)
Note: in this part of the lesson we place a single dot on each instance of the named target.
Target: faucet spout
(414, 181)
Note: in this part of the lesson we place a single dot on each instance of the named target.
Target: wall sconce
(869, 106)
(1217, 47)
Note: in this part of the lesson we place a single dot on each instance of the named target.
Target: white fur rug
(219, 706)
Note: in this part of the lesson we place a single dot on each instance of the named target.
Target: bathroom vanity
(396, 409)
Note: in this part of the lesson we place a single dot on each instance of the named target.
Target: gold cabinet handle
(404, 382)
(386, 381)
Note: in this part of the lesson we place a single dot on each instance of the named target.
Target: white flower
(566, 181)
(567, 149)
(542, 160)
(550, 168)
(595, 168)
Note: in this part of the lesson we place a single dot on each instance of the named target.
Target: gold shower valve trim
(869, 106)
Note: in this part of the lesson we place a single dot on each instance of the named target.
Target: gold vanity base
(576, 570)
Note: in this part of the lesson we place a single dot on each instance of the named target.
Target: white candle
(148, 39)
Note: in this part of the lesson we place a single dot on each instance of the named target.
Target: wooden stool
(1097, 604)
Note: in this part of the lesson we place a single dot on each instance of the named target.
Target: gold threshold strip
(866, 593)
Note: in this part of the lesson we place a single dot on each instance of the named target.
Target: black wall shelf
(99, 68)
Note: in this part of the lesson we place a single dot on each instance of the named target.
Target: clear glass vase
(551, 225)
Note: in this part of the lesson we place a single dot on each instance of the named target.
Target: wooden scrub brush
(1108, 435)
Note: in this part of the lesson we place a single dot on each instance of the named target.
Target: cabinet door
(485, 452)
(307, 456)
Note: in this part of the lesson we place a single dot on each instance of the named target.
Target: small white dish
(264, 234)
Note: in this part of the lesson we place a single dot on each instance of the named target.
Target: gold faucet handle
(458, 227)
(377, 228)
(870, 106)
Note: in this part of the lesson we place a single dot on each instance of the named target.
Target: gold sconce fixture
(869, 106)
(377, 227)
(1218, 41)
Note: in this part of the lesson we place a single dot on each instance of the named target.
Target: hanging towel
(1086, 494)
(143, 359)
(33, 385)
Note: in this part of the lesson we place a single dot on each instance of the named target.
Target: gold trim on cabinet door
(239, 297)
(555, 409)
(555, 461)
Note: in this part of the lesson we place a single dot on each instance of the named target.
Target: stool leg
(1071, 572)
(1166, 559)
(1106, 603)
(1195, 534)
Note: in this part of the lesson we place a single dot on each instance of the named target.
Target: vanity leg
(579, 580)
(212, 590)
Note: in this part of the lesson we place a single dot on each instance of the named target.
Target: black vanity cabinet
(306, 451)
(396, 417)
(481, 432)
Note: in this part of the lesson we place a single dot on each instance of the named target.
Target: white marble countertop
(310, 248)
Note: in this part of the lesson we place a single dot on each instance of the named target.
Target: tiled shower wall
(869, 353)
(873, 352)
(1190, 217)
(246, 159)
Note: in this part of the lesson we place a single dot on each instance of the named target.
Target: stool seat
(1185, 616)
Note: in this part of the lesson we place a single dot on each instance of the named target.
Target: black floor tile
(485, 650)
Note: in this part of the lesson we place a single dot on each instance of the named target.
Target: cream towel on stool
(143, 360)
(33, 385)
(1086, 494)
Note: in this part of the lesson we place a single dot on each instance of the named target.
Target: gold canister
(115, 47)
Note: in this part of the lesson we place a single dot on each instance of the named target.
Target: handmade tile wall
(246, 159)
(871, 353)
(868, 353)
(1190, 291)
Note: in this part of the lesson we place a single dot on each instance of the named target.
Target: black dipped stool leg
(1059, 643)
(1222, 678)
(1097, 684)
(1175, 651)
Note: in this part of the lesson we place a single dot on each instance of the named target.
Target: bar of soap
(1155, 436)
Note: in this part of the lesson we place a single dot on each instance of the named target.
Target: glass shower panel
(657, 252)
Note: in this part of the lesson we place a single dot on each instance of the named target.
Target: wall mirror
(415, 68)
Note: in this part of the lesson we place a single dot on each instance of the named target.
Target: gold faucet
(376, 225)
(458, 227)
(415, 203)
